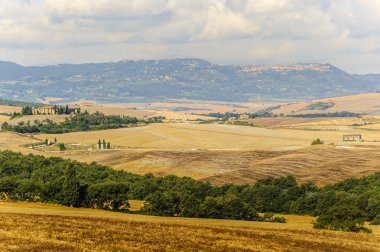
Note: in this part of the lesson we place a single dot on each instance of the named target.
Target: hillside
(69, 229)
(362, 103)
(157, 80)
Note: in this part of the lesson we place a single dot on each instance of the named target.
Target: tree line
(342, 206)
(330, 114)
(78, 122)
(19, 103)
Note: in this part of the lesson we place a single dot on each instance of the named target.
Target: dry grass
(316, 123)
(187, 136)
(38, 227)
(129, 110)
(116, 110)
(4, 118)
(322, 165)
(32, 118)
(362, 103)
(15, 142)
(9, 109)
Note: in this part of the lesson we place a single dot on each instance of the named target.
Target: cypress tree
(71, 187)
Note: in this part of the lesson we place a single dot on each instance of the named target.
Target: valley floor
(38, 227)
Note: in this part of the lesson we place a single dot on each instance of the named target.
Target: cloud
(226, 31)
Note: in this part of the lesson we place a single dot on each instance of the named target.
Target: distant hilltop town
(289, 67)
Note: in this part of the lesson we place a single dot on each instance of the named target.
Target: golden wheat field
(4, 118)
(322, 165)
(190, 136)
(142, 112)
(361, 103)
(40, 227)
(41, 118)
(368, 103)
(9, 109)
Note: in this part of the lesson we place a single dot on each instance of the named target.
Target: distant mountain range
(162, 80)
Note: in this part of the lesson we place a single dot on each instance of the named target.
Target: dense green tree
(345, 217)
(26, 110)
(376, 220)
(37, 178)
(80, 122)
(5, 126)
(61, 146)
(71, 187)
(112, 196)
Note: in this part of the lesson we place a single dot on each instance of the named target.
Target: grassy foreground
(40, 227)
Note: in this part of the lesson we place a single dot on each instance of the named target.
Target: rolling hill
(162, 80)
(58, 228)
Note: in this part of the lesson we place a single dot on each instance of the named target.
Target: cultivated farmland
(67, 229)
(219, 153)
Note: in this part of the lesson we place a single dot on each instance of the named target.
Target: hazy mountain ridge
(152, 80)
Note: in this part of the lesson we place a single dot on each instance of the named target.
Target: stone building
(47, 110)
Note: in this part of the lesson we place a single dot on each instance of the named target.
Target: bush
(279, 219)
(269, 217)
(345, 217)
(376, 220)
(61, 146)
(317, 141)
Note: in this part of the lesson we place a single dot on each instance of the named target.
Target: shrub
(345, 217)
(269, 217)
(279, 219)
(317, 141)
(61, 146)
(376, 220)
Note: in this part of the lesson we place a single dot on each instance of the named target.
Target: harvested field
(67, 229)
(115, 110)
(4, 118)
(187, 136)
(219, 153)
(321, 122)
(9, 109)
(322, 165)
(15, 142)
(32, 118)
(362, 103)
(119, 109)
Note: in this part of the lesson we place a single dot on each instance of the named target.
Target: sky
(345, 33)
